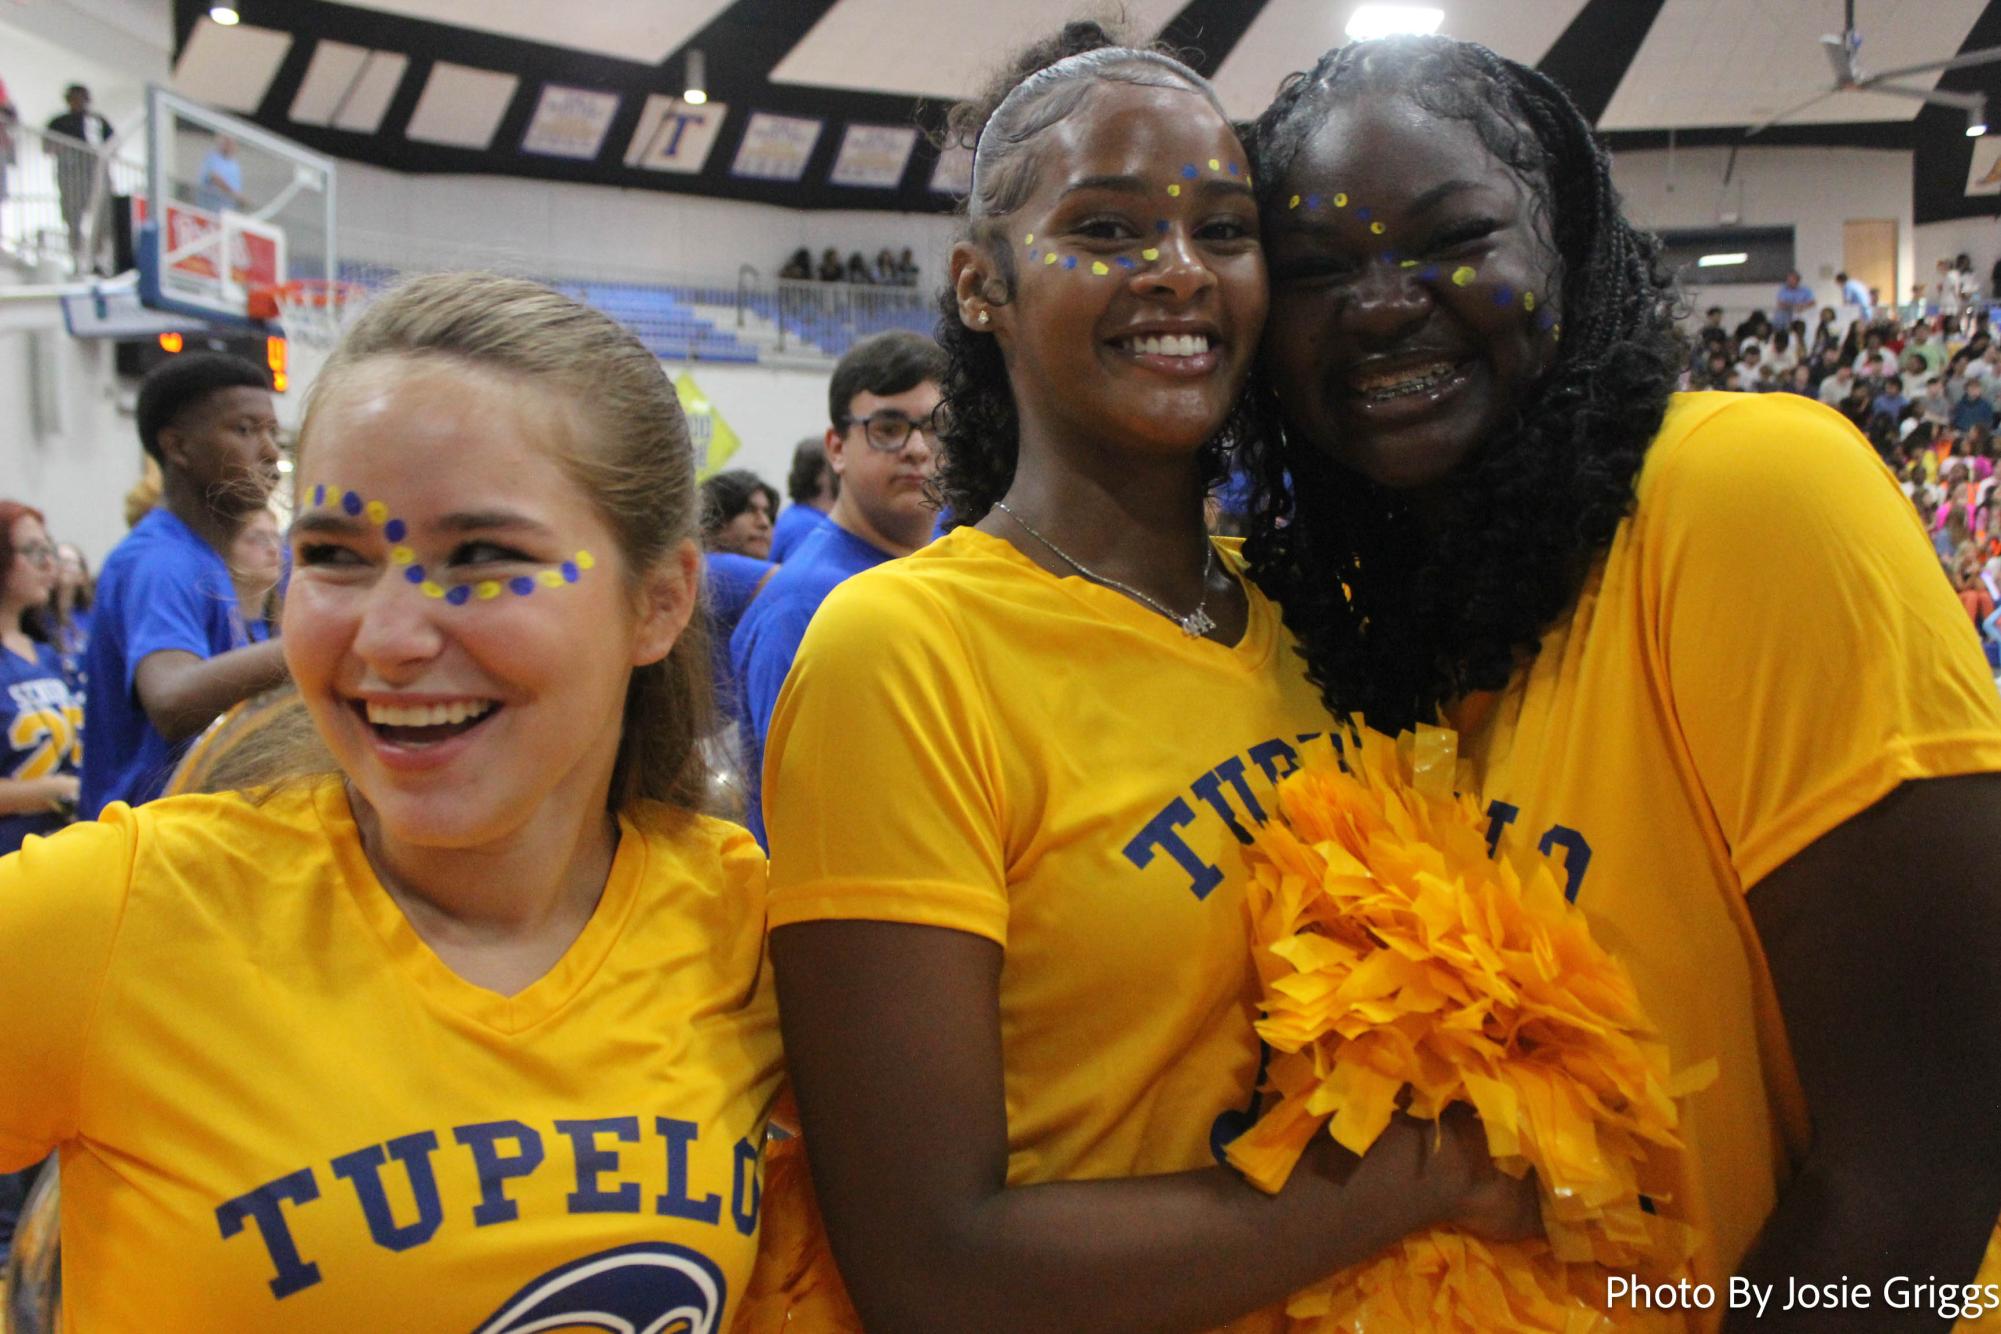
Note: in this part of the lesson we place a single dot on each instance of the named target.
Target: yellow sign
(713, 439)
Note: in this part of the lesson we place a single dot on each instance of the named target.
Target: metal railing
(57, 195)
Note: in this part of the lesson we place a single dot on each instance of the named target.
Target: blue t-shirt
(732, 581)
(796, 522)
(161, 588)
(41, 733)
(767, 639)
(1973, 412)
(216, 167)
(72, 641)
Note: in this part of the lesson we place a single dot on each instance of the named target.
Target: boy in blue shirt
(169, 649)
(883, 445)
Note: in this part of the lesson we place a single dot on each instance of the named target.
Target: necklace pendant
(1196, 623)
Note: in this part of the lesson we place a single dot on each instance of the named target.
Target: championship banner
(713, 439)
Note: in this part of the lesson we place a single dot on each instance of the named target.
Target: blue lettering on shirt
(1214, 788)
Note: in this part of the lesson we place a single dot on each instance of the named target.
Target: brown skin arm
(183, 693)
(1884, 939)
(892, 1040)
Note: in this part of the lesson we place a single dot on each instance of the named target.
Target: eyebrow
(1139, 185)
(465, 521)
(1437, 194)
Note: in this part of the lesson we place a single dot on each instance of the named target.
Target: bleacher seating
(689, 322)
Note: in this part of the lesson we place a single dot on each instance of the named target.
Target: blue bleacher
(664, 317)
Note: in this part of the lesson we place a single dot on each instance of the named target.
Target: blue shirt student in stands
(883, 445)
(169, 649)
(731, 582)
(811, 486)
(221, 183)
(41, 721)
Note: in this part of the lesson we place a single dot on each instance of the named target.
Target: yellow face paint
(1028, 239)
(378, 513)
(1377, 228)
(1463, 275)
(430, 589)
(486, 590)
(1174, 190)
(1149, 254)
(1528, 300)
(585, 560)
(1049, 258)
(1294, 203)
(1214, 165)
(402, 555)
(549, 578)
(1098, 267)
(1340, 201)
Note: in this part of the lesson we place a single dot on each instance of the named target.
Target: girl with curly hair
(1696, 645)
(1011, 945)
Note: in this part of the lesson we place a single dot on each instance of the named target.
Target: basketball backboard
(230, 208)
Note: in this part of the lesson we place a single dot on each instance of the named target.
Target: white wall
(1814, 190)
(770, 410)
(581, 230)
(45, 46)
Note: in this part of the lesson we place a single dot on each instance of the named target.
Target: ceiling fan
(1842, 52)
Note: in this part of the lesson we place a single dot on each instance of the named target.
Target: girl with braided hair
(1011, 945)
(1696, 645)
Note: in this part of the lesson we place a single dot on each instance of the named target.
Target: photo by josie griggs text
(1948, 1301)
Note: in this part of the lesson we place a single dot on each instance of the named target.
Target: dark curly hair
(1394, 616)
(1038, 88)
(728, 494)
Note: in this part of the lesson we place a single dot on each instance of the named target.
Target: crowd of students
(1922, 389)
(461, 1008)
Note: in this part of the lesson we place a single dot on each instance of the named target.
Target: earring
(983, 319)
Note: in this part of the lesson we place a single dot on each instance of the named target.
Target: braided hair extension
(1038, 88)
(1395, 617)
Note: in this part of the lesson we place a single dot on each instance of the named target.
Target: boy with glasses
(883, 445)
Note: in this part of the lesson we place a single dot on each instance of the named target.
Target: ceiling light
(1723, 261)
(697, 91)
(1387, 20)
(226, 15)
(1976, 119)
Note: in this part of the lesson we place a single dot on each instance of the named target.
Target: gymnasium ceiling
(813, 102)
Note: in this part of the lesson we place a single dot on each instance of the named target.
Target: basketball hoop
(308, 311)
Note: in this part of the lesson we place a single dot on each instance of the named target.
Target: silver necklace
(1195, 624)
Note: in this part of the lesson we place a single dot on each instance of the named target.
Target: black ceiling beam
(1593, 54)
(1943, 154)
(1206, 31)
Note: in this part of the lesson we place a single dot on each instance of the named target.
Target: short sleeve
(882, 790)
(1815, 656)
(762, 650)
(165, 608)
(62, 900)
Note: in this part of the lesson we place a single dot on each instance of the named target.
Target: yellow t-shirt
(1045, 763)
(278, 1109)
(1767, 649)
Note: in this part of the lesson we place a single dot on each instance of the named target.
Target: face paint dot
(1099, 267)
(585, 560)
(430, 589)
(1125, 262)
(570, 572)
(1377, 228)
(1294, 203)
(1149, 254)
(486, 590)
(1528, 300)
(319, 495)
(378, 513)
(1174, 190)
(1462, 275)
(1215, 165)
(1162, 226)
(1189, 173)
(459, 595)
(1365, 213)
(1049, 258)
(1430, 274)
(1236, 170)
(1028, 239)
(1406, 263)
(396, 530)
(1069, 261)
(402, 555)
(1340, 201)
(1313, 201)
(415, 574)
(522, 585)
(548, 578)
(351, 502)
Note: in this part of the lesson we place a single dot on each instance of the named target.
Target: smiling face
(1140, 283)
(488, 688)
(1413, 292)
